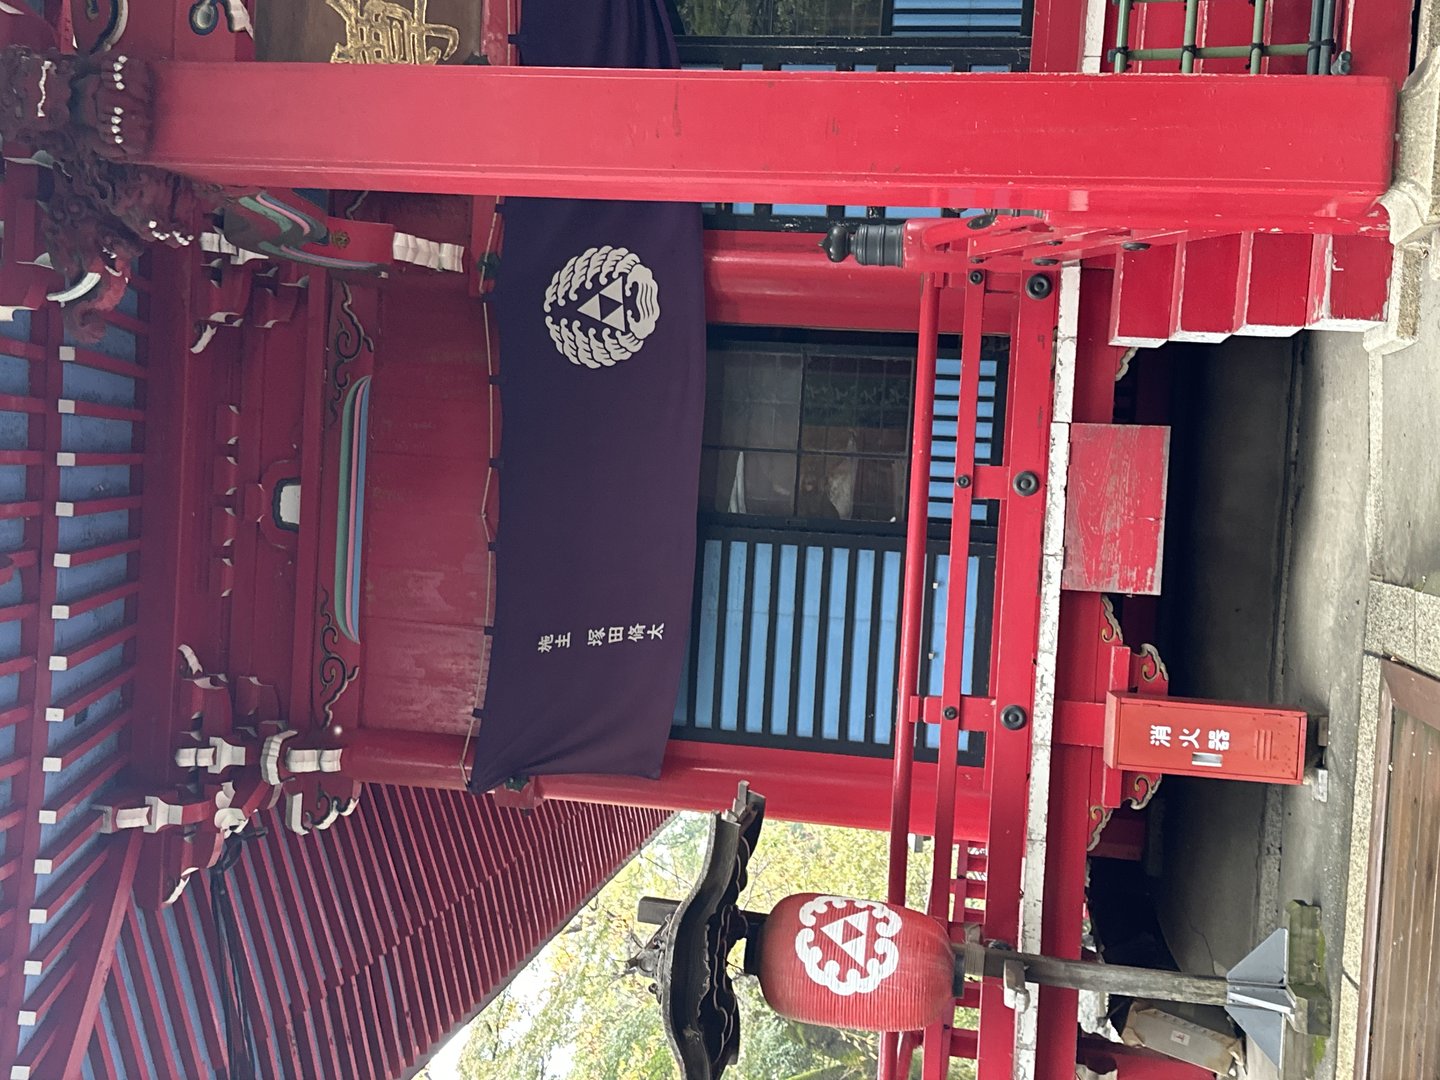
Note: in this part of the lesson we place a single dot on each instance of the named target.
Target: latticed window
(799, 560)
(853, 34)
(811, 18)
(810, 432)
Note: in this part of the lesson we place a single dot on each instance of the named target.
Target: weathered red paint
(432, 494)
(1115, 508)
(1359, 279)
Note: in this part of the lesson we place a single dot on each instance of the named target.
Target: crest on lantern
(845, 945)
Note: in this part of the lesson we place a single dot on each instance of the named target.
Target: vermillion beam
(696, 776)
(780, 279)
(1227, 150)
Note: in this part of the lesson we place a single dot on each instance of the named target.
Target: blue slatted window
(931, 17)
(795, 640)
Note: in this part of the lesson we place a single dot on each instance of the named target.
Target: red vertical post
(917, 519)
(1017, 613)
(967, 413)
(1068, 833)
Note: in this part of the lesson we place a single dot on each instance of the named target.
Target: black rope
(239, 1029)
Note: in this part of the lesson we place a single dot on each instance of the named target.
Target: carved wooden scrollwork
(86, 118)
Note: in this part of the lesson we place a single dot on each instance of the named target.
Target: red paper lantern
(856, 964)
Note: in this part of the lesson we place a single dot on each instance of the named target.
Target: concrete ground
(1321, 644)
(1310, 546)
(1225, 546)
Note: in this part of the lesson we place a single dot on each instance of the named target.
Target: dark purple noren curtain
(601, 323)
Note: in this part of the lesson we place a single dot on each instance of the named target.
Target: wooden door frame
(1418, 695)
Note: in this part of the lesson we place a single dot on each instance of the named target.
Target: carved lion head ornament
(83, 119)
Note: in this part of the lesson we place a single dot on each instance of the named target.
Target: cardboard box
(1199, 1035)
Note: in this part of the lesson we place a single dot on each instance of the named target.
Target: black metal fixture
(1039, 286)
(1027, 483)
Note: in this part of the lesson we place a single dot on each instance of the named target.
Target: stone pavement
(1361, 574)
(1312, 513)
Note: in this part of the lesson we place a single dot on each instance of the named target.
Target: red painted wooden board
(430, 511)
(1359, 278)
(1115, 508)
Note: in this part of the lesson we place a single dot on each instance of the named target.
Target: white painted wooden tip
(39, 916)
(34, 967)
(55, 716)
(65, 458)
(61, 559)
(65, 405)
(64, 509)
(192, 662)
(59, 663)
(51, 764)
(19, 1072)
(59, 611)
(67, 354)
(47, 817)
(44, 866)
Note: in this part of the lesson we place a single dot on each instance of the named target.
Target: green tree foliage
(574, 1014)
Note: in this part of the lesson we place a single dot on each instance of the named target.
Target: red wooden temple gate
(286, 465)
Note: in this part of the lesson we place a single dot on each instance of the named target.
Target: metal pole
(1134, 982)
(1257, 38)
(1220, 52)
(1122, 36)
(1312, 52)
(1327, 36)
(1187, 51)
